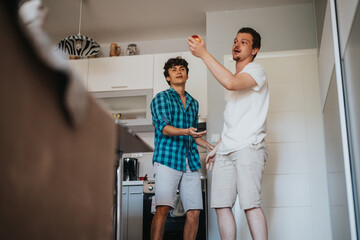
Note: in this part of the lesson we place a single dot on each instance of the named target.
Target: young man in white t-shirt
(241, 153)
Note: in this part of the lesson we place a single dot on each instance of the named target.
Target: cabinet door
(160, 83)
(196, 84)
(124, 212)
(121, 73)
(80, 67)
(135, 212)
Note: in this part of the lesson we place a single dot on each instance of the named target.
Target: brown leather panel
(56, 178)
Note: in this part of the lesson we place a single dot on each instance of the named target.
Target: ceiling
(141, 20)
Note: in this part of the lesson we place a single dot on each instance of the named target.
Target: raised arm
(222, 75)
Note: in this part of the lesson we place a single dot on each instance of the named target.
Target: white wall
(335, 166)
(326, 56)
(345, 13)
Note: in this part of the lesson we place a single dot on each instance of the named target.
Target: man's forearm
(203, 143)
(221, 74)
(173, 131)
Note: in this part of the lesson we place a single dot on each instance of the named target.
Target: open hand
(210, 159)
(194, 134)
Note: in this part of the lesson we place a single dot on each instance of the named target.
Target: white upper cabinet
(196, 84)
(133, 106)
(121, 73)
(141, 72)
(80, 67)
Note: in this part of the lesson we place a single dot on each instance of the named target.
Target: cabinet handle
(135, 192)
(124, 193)
(119, 86)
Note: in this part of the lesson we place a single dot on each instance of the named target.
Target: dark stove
(174, 226)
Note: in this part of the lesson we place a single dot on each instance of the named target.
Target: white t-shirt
(245, 113)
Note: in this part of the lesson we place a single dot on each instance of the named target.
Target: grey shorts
(168, 180)
(239, 173)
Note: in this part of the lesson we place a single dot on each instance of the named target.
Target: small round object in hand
(196, 37)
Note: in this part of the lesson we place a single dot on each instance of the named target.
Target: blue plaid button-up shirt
(171, 151)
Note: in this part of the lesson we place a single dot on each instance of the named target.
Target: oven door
(174, 226)
(147, 215)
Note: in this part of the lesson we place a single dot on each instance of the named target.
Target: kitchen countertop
(132, 183)
(138, 183)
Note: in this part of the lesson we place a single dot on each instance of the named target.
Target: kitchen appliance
(130, 169)
(174, 226)
(127, 143)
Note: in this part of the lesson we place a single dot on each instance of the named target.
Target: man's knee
(252, 210)
(193, 214)
(225, 210)
(162, 210)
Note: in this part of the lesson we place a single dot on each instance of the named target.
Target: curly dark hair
(256, 37)
(178, 61)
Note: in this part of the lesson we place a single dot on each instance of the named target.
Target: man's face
(177, 75)
(242, 48)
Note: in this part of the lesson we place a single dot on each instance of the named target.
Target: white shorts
(167, 182)
(239, 173)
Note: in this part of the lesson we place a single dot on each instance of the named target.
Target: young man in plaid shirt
(176, 158)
